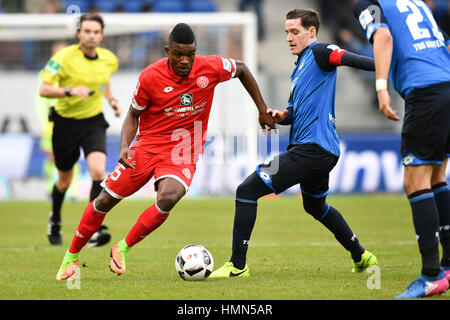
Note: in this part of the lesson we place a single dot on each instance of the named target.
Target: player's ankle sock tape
(244, 221)
(425, 219)
(442, 197)
(57, 200)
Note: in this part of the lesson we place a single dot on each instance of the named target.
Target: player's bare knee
(105, 202)
(438, 176)
(63, 184)
(408, 188)
(97, 174)
(166, 200)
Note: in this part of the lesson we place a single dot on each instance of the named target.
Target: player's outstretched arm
(330, 56)
(250, 84)
(129, 129)
(358, 61)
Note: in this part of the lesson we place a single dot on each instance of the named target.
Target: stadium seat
(201, 6)
(28, 54)
(105, 5)
(84, 5)
(149, 37)
(133, 6)
(168, 6)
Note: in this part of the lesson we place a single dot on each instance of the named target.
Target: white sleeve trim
(136, 106)
(234, 65)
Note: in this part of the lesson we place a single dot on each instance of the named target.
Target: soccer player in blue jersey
(314, 146)
(410, 48)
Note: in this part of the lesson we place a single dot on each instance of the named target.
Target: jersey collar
(88, 57)
(178, 78)
(304, 50)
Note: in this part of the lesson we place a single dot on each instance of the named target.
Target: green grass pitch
(291, 255)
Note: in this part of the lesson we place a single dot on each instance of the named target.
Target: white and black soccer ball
(194, 262)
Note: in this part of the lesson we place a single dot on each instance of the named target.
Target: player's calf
(335, 222)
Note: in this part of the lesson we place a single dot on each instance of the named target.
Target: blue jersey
(420, 57)
(312, 100)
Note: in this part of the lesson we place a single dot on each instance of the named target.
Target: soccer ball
(194, 262)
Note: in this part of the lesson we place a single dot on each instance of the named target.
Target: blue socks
(426, 224)
(442, 197)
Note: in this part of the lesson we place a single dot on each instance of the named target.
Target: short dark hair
(91, 17)
(309, 17)
(182, 33)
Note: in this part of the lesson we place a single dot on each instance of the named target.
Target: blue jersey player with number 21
(410, 48)
(313, 150)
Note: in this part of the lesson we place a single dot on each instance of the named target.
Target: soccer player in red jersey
(170, 106)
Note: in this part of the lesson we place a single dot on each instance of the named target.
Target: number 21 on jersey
(416, 9)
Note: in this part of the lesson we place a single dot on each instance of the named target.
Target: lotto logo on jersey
(202, 82)
(186, 99)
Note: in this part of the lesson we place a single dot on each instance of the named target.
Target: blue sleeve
(290, 103)
(369, 17)
(289, 117)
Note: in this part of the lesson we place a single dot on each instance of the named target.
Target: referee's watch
(67, 91)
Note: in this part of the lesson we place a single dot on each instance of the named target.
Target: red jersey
(176, 109)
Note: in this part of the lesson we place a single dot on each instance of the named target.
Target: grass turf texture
(291, 255)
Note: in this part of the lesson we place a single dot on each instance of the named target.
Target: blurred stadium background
(370, 160)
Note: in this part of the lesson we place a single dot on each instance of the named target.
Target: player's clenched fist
(266, 120)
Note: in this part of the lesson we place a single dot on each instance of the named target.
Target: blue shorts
(306, 164)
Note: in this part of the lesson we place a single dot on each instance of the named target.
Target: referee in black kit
(79, 76)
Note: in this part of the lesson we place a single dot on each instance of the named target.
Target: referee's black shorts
(69, 135)
(426, 127)
(306, 164)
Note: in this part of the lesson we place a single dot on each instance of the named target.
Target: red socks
(91, 221)
(89, 224)
(147, 222)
